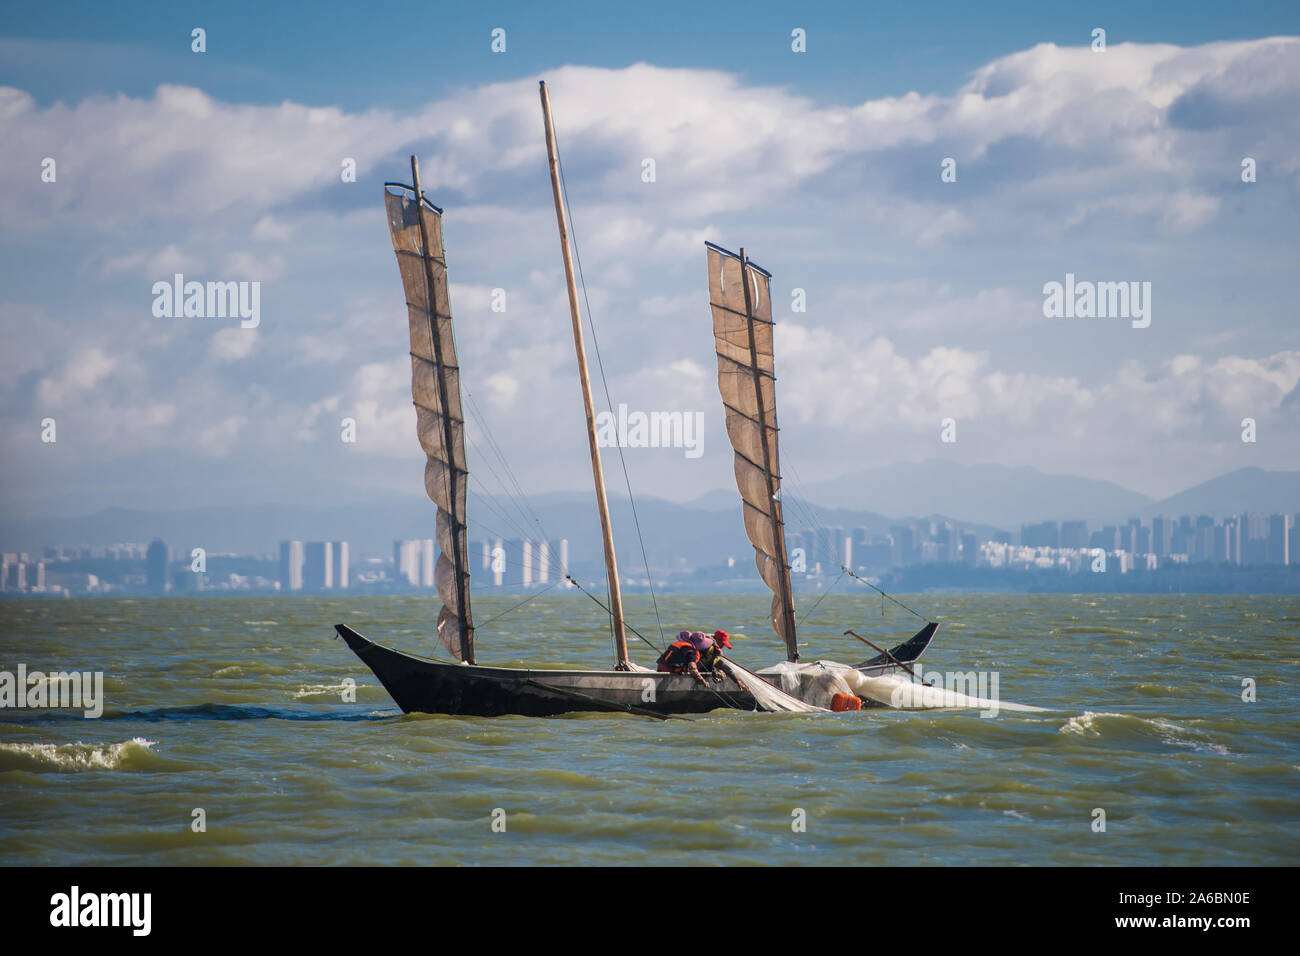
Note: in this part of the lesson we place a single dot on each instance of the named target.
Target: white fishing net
(817, 682)
(772, 698)
(810, 687)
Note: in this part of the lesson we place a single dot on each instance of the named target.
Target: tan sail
(416, 227)
(740, 296)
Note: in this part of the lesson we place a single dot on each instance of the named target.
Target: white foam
(78, 756)
(321, 690)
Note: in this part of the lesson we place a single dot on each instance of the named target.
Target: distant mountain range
(1009, 497)
(1246, 489)
(708, 529)
(988, 494)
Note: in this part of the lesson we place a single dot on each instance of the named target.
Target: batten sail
(740, 296)
(416, 227)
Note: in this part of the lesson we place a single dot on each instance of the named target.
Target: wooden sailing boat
(423, 685)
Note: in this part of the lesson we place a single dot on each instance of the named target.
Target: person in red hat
(682, 657)
(711, 659)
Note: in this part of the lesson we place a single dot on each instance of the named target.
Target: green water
(234, 705)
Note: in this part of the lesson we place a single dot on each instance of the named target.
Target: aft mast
(741, 300)
(598, 474)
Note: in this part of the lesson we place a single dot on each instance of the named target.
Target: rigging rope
(885, 596)
(609, 612)
(521, 603)
(807, 614)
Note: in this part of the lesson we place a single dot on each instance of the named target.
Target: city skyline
(1248, 540)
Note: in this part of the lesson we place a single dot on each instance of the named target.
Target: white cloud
(1134, 111)
(1141, 144)
(233, 344)
(863, 384)
(166, 261)
(79, 374)
(271, 229)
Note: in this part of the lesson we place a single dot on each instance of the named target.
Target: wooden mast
(606, 530)
(778, 525)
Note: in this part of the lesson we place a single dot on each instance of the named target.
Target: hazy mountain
(1246, 489)
(986, 494)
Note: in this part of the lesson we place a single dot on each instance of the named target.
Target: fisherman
(682, 657)
(711, 659)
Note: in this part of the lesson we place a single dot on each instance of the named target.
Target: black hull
(418, 685)
(905, 653)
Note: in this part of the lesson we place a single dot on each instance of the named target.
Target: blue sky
(924, 297)
(355, 55)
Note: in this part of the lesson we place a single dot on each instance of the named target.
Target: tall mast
(774, 504)
(598, 474)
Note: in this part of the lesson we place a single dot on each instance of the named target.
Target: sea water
(230, 733)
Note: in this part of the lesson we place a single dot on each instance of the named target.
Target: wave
(201, 712)
(323, 690)
(243, 712)
(1126, 727)
(134, 754)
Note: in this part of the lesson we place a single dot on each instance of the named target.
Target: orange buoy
(841, 702)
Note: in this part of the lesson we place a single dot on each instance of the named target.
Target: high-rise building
(905, 545)
(1045, 534)
(969, 548)
(428, 560)
(1074, 534)
(1279, 539)
(1222, 535)
(526, 562)
(318, 566)
(1202, 547)
(341, 565)
(413, 562)
(1254, 539)
(1162, 533)
(156, 567)
(825, 550)
(291, 565)
(543, 570)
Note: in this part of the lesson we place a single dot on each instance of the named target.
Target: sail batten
(743, 329)
(416, 228)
